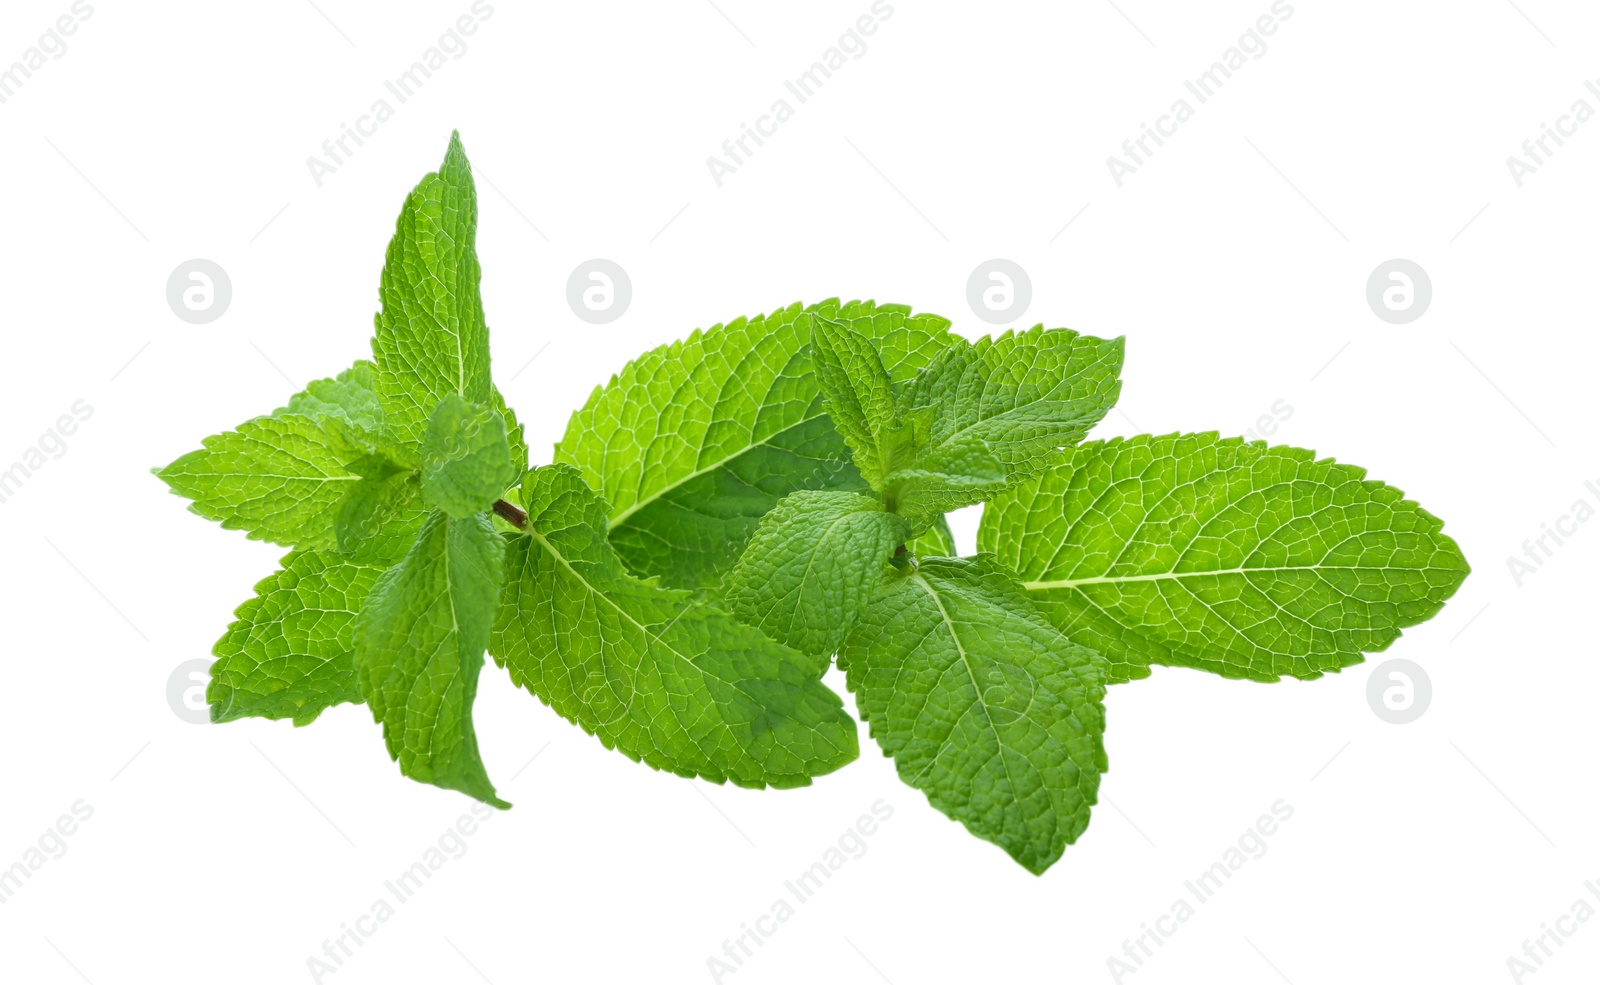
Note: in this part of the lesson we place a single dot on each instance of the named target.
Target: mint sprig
(387, 481)
(733, 512)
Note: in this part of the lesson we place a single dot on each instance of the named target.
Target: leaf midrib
(531, 532)
(1042, 586)
(977, 692)
(618, 519)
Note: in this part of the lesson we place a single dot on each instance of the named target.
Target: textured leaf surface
(936, 541)
(279, 478)
(466, 460)
(958, 473)
(352, 396)
(514, 435)
(1242, 559)
(431, 337)
(812, 566)
(694, 442)
(1023, 395)
(856, 392)
(385, 492)
(289, 652)
(676, 683)
(420, 639)
(985, 706)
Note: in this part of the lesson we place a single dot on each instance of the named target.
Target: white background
(1424, 852)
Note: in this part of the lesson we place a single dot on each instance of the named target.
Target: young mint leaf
(985, 706)
(420, 639)
(1245, 560)
(958, 473)
(466, 460)
(1025, 396)
(812, 566)
(668, 680)
(936, 541)
(431, 336)
(352, 396)
(386, 491)
(856, 391)
(289, 651)
(279, 478)
(694, 442)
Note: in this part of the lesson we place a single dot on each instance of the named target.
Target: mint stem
(510, 514)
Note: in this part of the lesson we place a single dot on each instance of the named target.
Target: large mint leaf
(985, 706)
(812, 566)
(668, 680)
(289, 652)
(694, 442)
(420, 639)
(466, 460)
(1024, 396)
(1242, 559)
(431, 337)
(856, 392)
(279, 478)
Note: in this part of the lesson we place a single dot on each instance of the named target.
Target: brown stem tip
(510, 514)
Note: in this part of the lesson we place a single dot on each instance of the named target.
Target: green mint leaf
(466, 459)
(856, 391)
(351, 396)
(386, 491)
(289, 652)
(278, 478)
(692, 443)
(1025, 396)
(420, 639)
(431, 337)
(812, 566)
(958, 473)
(936, 541)
(985, 706)
(676, 683)
(1245, 560)
(514, 435)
